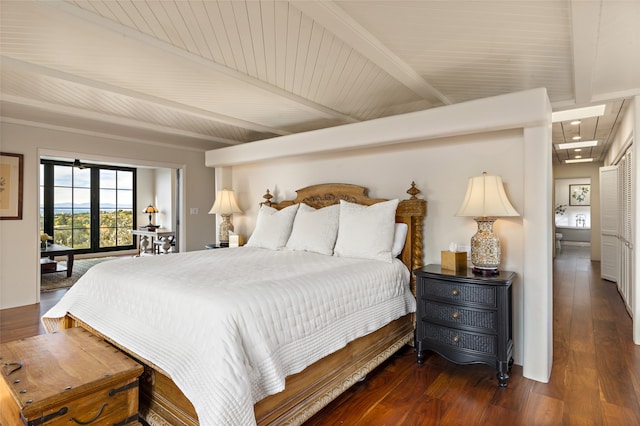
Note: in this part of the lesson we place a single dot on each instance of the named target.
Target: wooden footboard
(306, 393)
(309, 391)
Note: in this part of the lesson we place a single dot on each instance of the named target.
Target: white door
(609, 228)
(626, 284)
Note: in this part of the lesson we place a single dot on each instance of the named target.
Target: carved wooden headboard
(411, 211)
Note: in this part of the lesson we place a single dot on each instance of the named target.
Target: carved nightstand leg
(503, 372)
(503, 378)
(420, 353)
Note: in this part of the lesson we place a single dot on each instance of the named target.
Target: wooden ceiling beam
(337, 21)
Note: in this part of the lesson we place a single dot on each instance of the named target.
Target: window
(116, 208)
(89, 208)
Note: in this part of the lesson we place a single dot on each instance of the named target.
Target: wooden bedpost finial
(413, 191)
(267, 197)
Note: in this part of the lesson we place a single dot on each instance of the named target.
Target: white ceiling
(204, 74)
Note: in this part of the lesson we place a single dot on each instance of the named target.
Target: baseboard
(576, 243)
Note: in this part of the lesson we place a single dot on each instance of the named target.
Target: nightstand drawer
(484, 343)
(460, 293)
(451, 315)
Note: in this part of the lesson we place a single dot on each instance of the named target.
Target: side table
(465, 318)
(53, 250)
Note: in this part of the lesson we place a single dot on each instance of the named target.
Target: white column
(538, 256)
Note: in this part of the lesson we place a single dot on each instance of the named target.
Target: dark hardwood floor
(595, 378)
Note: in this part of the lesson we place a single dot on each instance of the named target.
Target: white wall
(156, 186)
(440, 148)
(165, 198)
(440, 169)
(19, 247)
(624, 133)
(145, 193)
(571, 214)
(582, 172)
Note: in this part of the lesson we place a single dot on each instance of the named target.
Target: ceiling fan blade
(78, 164)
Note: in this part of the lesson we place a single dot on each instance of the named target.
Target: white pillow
(315, 230)
(272, 227)
(399, 237)
(366, 232)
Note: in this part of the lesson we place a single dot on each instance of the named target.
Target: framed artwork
(580, 195)
(11, 175)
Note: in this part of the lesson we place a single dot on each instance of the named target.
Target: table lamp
(485, 201)
(151, 210)
(225, 205)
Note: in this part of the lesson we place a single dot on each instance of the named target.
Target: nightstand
(213, 246)
(465, 318)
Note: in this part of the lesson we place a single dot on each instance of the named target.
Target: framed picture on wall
(580, 195)
(11, 173)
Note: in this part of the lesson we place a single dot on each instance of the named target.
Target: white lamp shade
(486, 198)
(225, 203)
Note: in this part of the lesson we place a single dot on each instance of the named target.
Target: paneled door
(625, 226)
(616, 227)
(609, 215)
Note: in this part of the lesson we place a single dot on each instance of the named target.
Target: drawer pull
(17, 364)
(73, 419)
(456, 339)
(133, 418)
(131, 385)
(455, 315)
(45, 419)
(455, 292)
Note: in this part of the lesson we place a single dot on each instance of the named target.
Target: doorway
(158, 185)
(573, 212)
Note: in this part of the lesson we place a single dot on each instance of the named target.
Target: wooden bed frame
(306, 393)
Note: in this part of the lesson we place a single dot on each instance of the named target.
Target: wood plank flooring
(595, 378)
(18, 323)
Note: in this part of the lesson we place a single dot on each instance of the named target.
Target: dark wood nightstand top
(435, 271)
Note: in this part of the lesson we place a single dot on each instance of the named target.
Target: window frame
(48, 203)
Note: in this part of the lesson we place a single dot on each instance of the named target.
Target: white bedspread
(229, 325)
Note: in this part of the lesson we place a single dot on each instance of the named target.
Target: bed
(311, 376)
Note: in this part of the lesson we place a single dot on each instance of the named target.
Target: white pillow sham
(366, 232)
(399, 237)
(315, 230)
(273, 227)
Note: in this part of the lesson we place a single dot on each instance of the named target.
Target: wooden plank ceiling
(203, 74)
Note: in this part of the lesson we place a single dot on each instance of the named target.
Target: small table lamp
(485, 201)
(151, 210)
(225, 205)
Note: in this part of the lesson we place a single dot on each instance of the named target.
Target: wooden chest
(69, 377)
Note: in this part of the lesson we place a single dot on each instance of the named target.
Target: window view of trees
(116, 208)
(87, 208)
(72, 206)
